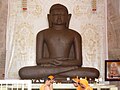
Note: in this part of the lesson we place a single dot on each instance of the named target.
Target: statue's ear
(49, 20)
(67, 24)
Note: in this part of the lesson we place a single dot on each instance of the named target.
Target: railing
(15, 84)
(27, 85)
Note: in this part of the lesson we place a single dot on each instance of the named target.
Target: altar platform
(70, 86)
(28, 85)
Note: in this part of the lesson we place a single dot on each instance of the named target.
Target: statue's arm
(39, 47)
(78, 49)
(39, 51)
(77, 61)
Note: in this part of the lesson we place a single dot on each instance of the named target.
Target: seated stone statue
(53, 50)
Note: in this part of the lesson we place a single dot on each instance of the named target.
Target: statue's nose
(59, 18)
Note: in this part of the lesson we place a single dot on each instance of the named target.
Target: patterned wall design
(23, 26)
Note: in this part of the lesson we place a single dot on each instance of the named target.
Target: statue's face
(59, 16)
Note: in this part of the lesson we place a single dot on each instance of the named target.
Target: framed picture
(112, 70)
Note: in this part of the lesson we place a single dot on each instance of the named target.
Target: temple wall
(3, 24)
(113, 27)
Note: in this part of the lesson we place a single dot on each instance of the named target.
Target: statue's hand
(56, 62)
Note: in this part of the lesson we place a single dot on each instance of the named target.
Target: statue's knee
(22, 72)
(97, 73)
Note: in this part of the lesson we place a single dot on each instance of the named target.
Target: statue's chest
(59, 39)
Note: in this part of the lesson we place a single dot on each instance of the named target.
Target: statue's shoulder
(74, 32)
(42, 31)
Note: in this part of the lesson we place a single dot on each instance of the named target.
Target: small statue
(53, 50)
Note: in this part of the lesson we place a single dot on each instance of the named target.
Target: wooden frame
(112, 70)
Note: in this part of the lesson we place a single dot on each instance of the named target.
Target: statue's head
(58, 15)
